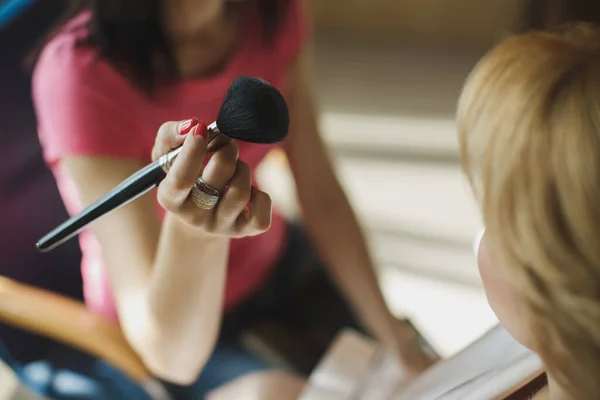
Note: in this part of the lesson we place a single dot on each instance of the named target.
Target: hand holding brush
(253, 111)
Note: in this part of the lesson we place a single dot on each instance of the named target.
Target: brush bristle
(254, 111)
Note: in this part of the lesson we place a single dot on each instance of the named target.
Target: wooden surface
(69, 322)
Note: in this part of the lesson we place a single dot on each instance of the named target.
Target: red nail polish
(201, 131)
(186, 126)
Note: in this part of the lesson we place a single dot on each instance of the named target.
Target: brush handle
(130, 189)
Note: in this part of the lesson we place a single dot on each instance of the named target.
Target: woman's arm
(331, 222)
(168, 282)
(185, 282)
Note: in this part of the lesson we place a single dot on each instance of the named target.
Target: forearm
(167, 277)
(184, 300)
(327, 213)
(339, 239)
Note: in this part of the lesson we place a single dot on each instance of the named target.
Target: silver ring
(205, 196)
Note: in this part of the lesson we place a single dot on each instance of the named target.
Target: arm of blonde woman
(327, 214)
(168, 280)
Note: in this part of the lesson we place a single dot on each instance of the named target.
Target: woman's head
(137, 34)
(529, 130)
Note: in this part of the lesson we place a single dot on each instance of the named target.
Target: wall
(446, 22)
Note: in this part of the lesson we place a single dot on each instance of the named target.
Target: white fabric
(354, 369)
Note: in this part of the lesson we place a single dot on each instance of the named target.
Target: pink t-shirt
(85, 106)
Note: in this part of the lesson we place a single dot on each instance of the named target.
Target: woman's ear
(477, 241)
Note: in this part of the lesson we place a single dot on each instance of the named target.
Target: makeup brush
(253, 111)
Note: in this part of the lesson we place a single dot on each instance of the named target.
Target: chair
(12, 388)
(30, 204)
(354, 367)
(68, 321)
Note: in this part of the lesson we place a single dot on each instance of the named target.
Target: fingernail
(187, 125)
(200, 130)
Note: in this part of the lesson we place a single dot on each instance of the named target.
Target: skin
(505, 302)
(327, 214)
(502, 297)
(168, 280)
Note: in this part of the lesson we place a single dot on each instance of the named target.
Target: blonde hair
(529, 131)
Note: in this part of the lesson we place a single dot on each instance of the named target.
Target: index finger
(188, 164)
(171, 135)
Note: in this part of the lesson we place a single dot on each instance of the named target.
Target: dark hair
(129, 34)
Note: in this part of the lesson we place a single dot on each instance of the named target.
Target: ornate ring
(205, 196)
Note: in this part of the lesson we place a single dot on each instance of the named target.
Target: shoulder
(65, 68)
(296, 12)
(293, 31)
(292, 26)
(61, 55)
(83, 105)
(294, 23)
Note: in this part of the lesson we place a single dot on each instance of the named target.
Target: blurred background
(388, 74)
